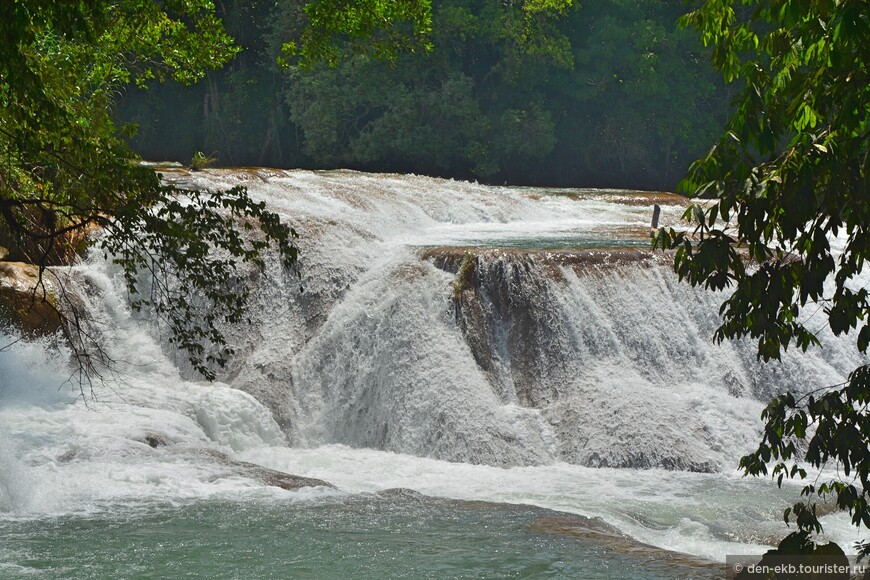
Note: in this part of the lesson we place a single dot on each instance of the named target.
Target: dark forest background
(610, 93)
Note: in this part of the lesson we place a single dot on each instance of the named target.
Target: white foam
(709, 515)
(371, 356)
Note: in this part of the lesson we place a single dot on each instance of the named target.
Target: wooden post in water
(655, 221)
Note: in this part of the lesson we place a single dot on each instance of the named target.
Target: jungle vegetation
(790, 175)
(606, 93)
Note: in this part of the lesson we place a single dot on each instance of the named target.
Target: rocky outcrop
(28, 301)
(503, 304)
(453, 258)
(595, 532)
(262, 474)
(280, 479)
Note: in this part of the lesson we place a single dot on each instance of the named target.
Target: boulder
(26, 303)
(271, 477)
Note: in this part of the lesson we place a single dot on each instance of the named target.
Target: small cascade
(617, 355)
(390, 370)
(14, 480)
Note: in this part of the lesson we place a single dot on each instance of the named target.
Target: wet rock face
(26, 302)
(504, 303)
(499, 305)
(265, 475)
(279, 478)
(595, 352)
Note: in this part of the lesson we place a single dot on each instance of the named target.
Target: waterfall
(473, 342)
(498, 326)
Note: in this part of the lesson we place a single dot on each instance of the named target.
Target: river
(497, 381)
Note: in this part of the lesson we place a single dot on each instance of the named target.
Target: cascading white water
(545, 361)
(555, 356)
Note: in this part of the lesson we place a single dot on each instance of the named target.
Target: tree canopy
(789, 175)
(65, 170)
(608, 93)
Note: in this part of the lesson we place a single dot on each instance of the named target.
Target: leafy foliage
(335, 29)
(790, 174)
(609, 93)
(200, 160)
(466, 123)
(64, 169)
(194, 245)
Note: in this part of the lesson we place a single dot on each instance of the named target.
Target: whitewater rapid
(586, 384)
